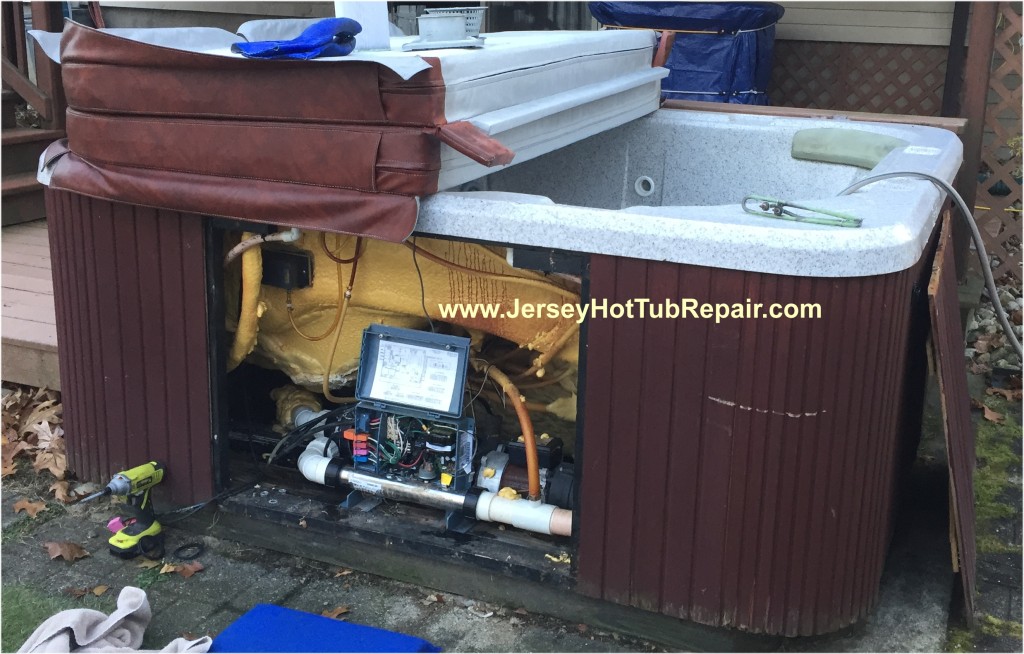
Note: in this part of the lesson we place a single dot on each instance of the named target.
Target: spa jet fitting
(319, 463)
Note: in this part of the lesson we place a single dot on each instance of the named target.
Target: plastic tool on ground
(137, 532)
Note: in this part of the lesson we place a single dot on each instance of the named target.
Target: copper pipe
(529, 439)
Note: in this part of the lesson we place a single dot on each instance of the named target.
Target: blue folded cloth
(330, 37)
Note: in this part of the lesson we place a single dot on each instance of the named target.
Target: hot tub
(732, 471)
(739, 472)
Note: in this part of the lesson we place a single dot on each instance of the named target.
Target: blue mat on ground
(269, 628)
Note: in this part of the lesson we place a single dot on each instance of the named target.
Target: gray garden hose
(986, 268)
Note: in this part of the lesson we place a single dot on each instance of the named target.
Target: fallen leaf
(148, 564)
(31, 508)
(434, 598)
(7, 469)
(56, 462)
(993, 416)
(342, 572)
(43, 413)
(188, 635)
(989, 342)
(49, 438)
(582, 628)
(62, 491)
(186, 570)
(336, 612)
(978, 368)
(1017, 317)
(77, 593)
(66, 550)
(99, 590)
(1009, 394)
(11, 448)
(521, 611)
(168, 568)
(302, 523)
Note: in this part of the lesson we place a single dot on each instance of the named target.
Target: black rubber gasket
(189, 551)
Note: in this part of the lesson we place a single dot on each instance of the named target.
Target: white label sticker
(415, 376)
(365, 486)
(923, 150)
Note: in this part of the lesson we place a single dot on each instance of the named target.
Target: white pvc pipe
(303, 414)
(314, 459)
(524, 514)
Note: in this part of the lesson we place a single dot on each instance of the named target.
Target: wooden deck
(28, 330)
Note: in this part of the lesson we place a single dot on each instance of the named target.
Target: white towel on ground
(86, 630)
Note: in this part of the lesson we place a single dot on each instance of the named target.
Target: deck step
(22, 147)
(22, 199)
(29, 331)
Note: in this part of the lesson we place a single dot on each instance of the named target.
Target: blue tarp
(733, 63)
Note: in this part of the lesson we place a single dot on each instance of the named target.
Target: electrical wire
(536, 283)
(423, 290)
(334, 323)
(335, 258)
(979, 245)
(346, 297)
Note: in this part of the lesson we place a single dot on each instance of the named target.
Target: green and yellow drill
(137, 532)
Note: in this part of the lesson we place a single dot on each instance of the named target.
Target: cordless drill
(137, 531)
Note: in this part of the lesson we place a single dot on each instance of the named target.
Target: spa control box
(408, 421)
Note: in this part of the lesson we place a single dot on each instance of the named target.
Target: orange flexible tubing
(529, 439)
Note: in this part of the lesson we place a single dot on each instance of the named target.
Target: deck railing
(44, 93)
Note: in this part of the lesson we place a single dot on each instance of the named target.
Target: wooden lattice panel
(880, 78)
(998, 204)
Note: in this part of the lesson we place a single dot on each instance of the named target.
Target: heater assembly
(434, 411)
(409, 441)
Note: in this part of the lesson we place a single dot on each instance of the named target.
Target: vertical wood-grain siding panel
(130, 296)
(754, 460)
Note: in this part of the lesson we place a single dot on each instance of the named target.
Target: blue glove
(330, 37)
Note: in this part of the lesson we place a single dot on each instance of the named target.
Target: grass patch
(22, 528)
(990, 544)
(22, 609)
(993, 626)
(148, 578)
(959, 640)
(998, 461)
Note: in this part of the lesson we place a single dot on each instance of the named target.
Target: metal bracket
(455, 521)
(774, 208)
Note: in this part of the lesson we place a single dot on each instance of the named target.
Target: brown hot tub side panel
(130, 295)
(742, 474)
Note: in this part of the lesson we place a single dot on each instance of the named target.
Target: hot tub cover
(173, 119)
(723, 53)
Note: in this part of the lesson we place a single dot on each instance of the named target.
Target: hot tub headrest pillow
(852, 147)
